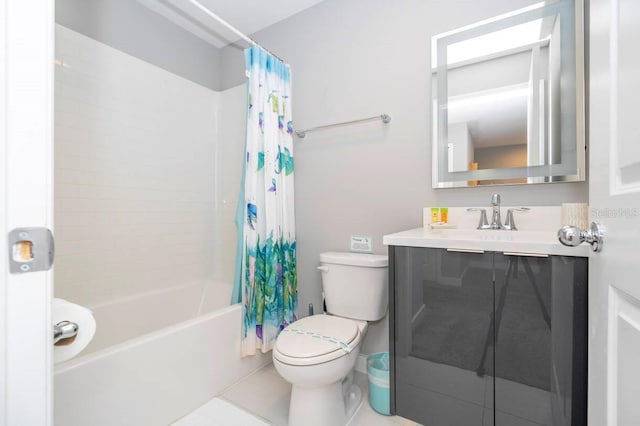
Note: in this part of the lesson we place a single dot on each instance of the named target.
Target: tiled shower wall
(135, 174)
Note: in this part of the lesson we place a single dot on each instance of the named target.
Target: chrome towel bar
(386, 118)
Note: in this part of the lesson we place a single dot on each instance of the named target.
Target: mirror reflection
(501, 90)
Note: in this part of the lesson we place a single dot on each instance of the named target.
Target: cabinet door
(539, 341)
(441, 335)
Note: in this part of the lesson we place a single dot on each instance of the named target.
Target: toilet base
(333, 404)
(352, 400)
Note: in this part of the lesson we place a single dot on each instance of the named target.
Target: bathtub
(153, 368)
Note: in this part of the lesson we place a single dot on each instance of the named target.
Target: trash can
(378, 372)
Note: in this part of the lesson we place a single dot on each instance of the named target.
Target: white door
(26, 142)
(614, 195)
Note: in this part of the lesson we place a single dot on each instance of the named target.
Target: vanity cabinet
(482, 338)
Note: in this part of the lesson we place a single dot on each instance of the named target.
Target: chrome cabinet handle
(459, 250)
(573, 236)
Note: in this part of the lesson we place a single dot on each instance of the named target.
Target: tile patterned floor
(219, 412)
(273, 406)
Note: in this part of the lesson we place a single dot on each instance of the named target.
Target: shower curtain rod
(232, 28)
(384, 117)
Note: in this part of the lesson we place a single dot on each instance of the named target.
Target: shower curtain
(266, 275)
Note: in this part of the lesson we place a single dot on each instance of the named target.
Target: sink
(521, 242)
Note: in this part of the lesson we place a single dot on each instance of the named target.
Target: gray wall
(358, 58)
(128, 26)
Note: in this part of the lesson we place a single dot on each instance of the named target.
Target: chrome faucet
(496, 221)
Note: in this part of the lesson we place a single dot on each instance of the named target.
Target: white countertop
(519, 242)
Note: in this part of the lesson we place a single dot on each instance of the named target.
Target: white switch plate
(362, 243)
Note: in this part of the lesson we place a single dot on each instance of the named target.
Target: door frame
(26, 200)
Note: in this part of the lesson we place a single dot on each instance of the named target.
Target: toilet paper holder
(64, 330)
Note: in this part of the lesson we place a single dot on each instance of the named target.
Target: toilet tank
(355, 284)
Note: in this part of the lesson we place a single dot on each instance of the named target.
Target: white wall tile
(229, 177)
(135, 173)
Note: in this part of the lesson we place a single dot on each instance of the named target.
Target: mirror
(508, 99)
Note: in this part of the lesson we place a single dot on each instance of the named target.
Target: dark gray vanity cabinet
(487, 338)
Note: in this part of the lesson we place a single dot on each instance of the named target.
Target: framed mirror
(508, 99)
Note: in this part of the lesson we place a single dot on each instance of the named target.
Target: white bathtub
(152, 368)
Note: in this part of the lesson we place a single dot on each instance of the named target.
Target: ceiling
(248, 16)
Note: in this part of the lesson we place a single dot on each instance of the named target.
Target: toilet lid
(318, 335)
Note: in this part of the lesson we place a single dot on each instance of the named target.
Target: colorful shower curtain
(266, 275)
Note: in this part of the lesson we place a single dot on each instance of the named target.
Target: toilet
(317, 354)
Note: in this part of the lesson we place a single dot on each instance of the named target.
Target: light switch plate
(362, 243)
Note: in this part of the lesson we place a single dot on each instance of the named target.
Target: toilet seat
(317, 339)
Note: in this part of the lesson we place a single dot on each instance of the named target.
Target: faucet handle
(484, 222)
(509, 223)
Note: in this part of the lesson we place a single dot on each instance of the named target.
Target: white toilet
(317, 354)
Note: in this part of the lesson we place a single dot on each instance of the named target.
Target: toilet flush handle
(323, 268)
